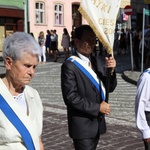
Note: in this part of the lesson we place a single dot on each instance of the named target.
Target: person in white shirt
(41, 40)
(142, 107)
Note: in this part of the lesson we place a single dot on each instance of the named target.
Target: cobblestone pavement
(121, 131)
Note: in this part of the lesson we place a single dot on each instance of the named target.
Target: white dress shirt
(84, 58)
(142, 103)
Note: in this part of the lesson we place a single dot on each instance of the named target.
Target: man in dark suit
(85, 100)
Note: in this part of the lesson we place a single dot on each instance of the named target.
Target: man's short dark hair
(79, 31)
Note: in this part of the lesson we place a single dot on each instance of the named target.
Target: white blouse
(21, 101)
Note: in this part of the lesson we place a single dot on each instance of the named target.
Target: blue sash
(147, 71)
(97, 85)
(13, 118)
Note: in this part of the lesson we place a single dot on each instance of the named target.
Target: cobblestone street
(121, 131)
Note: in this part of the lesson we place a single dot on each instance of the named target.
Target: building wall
(17, 3)
(11, 18)
(49, 17)
(49, 14)
(124, 3)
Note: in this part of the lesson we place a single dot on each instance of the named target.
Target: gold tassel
(99, 36)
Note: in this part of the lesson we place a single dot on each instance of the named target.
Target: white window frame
(59, 14)
(40, 13)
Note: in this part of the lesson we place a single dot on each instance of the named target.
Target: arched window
(59, 14)
(40, 12)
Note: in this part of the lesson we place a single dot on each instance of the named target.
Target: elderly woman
(21, 111)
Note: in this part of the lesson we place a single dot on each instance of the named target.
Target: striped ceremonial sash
(148, 71)
(14, 119)
(90, 74)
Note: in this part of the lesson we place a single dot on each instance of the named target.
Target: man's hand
(147, 140)
(105, 108)
(110, 62)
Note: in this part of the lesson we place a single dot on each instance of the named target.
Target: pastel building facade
(46, 15)
(38, 15)
(42, 15)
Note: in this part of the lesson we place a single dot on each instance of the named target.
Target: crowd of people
(84, 86)
(122, 40)
(122, 45)
(21, 109)
(49, 44)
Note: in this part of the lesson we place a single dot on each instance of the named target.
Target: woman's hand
(41, 144)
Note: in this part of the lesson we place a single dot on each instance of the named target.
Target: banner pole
(108, 72)
(131, 43)
(143, 40)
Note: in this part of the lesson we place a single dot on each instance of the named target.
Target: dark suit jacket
(83, 100)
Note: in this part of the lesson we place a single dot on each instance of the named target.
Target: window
(59, 14)
(40, 12)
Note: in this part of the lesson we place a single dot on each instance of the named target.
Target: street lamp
(25, 15)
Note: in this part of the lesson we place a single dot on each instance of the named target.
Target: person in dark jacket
(83, 84)
(123, 44)
(136, 54)
(48, 42)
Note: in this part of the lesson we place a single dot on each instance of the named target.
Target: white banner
(101, 16)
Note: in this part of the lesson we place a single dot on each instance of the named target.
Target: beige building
(46, 15)
(125, 3)
(51, 14)
(43, 15)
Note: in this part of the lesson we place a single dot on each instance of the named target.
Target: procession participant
(21, 111)
(83, 87)
(142, 107)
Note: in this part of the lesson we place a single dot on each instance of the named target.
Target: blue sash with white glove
(14, 119)
(90, 74)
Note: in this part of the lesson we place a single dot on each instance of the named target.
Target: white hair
(18, 43)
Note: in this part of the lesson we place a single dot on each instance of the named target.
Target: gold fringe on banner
(99, 36)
